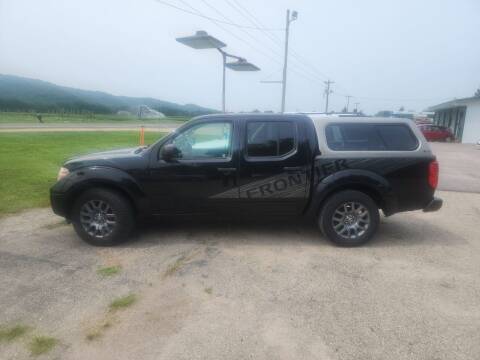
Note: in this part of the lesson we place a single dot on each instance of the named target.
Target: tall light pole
(290, 18)
(201, 40)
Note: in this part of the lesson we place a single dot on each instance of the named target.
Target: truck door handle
(226, 170)
(292, 169)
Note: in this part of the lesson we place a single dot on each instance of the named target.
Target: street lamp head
(294, 15)
(201, 40)
(242, 65)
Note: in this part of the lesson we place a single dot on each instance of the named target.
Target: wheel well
(374, 194)
(98, 185)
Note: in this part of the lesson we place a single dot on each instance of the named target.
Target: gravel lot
(459, 166)
(262, 291)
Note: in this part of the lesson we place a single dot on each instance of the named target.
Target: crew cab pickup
(337, 172)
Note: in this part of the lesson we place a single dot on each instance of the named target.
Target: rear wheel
(102, 217)
(349, 218)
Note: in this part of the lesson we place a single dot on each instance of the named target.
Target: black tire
(357, 231)
(120, 212)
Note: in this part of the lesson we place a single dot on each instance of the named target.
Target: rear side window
(348, 137)
(270, 138)
(370, 137)
(397, 137)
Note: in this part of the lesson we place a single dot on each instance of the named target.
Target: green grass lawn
(30, 118)
(29, 162)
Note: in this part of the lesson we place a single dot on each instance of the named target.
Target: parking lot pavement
(459, 166)
(262, 291)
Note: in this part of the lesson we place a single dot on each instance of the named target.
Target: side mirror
(170, 153)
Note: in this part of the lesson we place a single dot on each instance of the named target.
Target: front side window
(270, 139)
(370, 137)
(204, 141)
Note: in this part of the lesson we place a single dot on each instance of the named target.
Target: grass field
(29, 162)
(30, 118)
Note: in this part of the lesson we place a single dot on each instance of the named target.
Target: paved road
(223, 290)
(167, 126)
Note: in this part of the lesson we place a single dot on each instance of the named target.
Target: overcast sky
(385, 53)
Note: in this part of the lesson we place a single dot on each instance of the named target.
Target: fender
(87, 177)
(356, 179)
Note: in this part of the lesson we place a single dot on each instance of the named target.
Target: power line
(311, 75)
(243, 30)
(257, 25)
(255, 21)
(279, 70)
(251, 18)
(242, 10)
(295, 54)
(255, 39)
(196, 11)
(219, 24)
(301, 72)
(389, 99)
(213, 19)
(260, 51)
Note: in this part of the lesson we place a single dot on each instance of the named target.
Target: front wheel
(102, 217)
(349, 218)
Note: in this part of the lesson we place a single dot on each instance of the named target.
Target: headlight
(62, 173)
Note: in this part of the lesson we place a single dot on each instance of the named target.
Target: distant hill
(24, 94)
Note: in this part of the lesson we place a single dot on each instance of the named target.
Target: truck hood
(117, 158)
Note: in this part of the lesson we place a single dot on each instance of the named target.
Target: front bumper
(434, 205)
(59, 204)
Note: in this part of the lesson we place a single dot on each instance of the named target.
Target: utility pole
(348, 101)
(224, 75)
(356, 107)
(327, 93)
(285, 62)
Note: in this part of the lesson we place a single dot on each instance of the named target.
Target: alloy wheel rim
(98, 218)
(351, 220)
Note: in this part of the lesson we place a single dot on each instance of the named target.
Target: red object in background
(436, 133)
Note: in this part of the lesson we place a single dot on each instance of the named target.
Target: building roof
(325, 119)
(454, 103)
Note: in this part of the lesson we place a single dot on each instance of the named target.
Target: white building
(462, 116)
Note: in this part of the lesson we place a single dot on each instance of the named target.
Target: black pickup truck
(337, 171)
